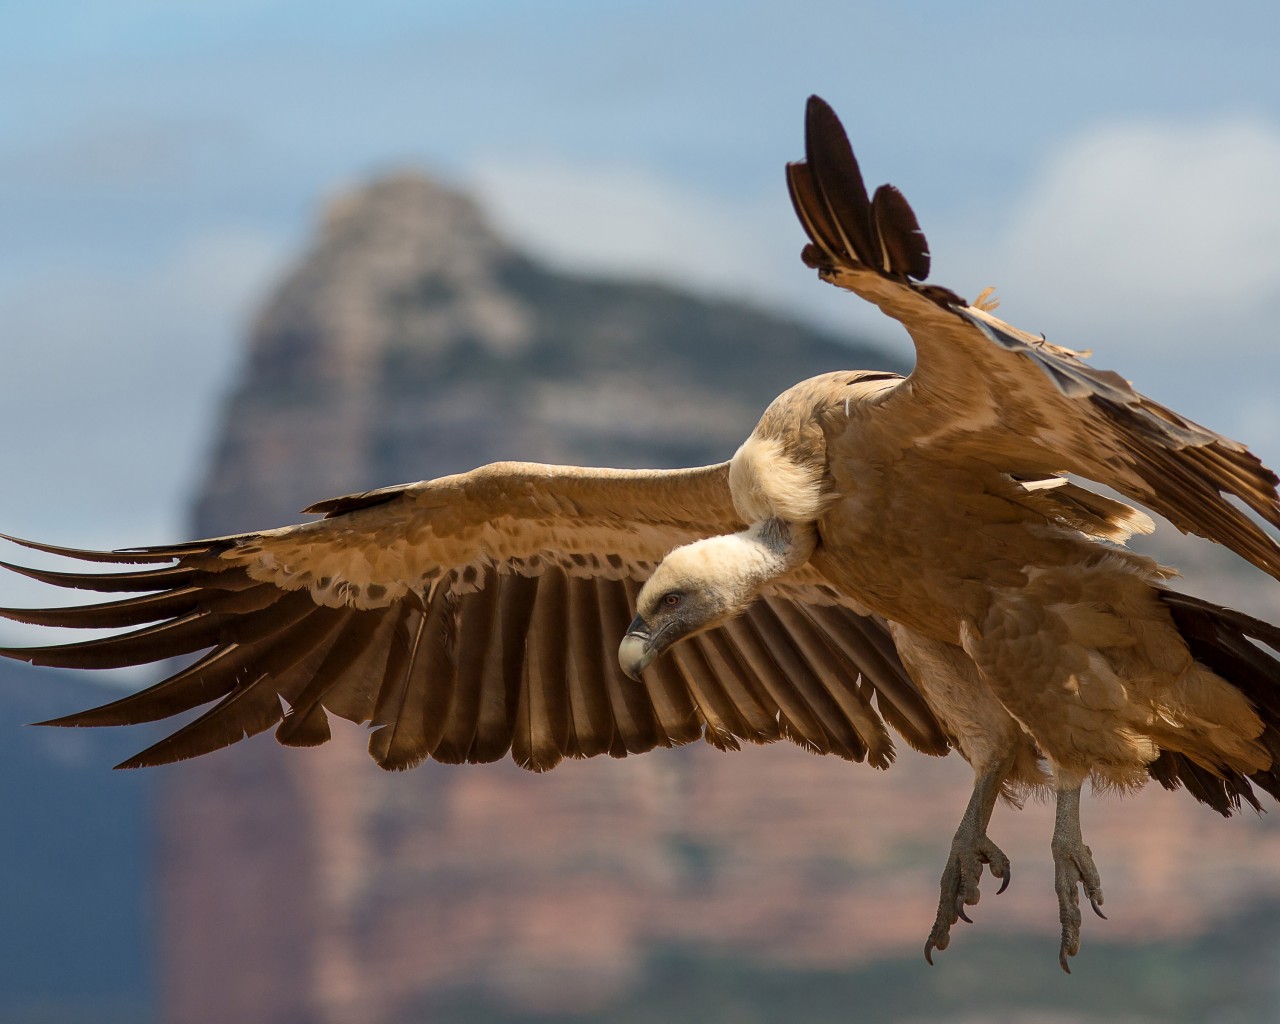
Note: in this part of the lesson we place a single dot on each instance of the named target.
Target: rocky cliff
(307, 886)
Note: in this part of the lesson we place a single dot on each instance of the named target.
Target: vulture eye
(672, 599)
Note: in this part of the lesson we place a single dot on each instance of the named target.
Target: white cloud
(617, 220)
(1182, 217)
(620, 220)
(1156, 245)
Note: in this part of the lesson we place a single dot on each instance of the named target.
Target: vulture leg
(970, 849)
(1073, 866)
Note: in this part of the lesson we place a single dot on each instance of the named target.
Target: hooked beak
(637, 649)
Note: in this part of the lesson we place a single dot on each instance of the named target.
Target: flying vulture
(882, 553)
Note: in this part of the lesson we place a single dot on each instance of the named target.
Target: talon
(1074, 873)
(971, 849)
(1004, 880)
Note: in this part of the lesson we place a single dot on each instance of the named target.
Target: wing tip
(66, 722)
(126, 555)
(846, 227)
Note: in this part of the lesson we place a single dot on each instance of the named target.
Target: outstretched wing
(475, 615)
(986, 390)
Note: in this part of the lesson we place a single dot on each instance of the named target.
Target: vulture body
(882, 553)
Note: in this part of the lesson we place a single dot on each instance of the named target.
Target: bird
(883, 554)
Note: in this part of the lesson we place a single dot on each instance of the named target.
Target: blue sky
(1112, 168)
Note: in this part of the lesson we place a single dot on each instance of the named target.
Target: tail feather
(1232, 645)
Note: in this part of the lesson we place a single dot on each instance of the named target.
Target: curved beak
(636, 650)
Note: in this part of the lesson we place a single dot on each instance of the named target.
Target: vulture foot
(969, 851)
(1073, 867)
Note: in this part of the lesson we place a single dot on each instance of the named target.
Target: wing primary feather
(128, 556)
(799, 724)
(842, 737)
(223, 617)
(1247, 624)
(475, 615)
(669, 683)
(436, 684)
(112, 614)
(310, 730)
(1148, 452)
(109, 582)
(638, 728)
(812, 214)
(306, 724)
(715, 712)
(1190, 504)
(413, 707)
(742, 685)
(253, 706)
(839, 181)
(839, 677)
(397, 739)
(251, 616)
(541, 736)
(356, 671)
(1248, 479)
(211, 677)
(155, 643)
(849, 231)
(903, 247)
(503, 666)
(591, 714)
(865, 643)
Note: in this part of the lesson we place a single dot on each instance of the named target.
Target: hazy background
(1113, 171)
(1112, 168)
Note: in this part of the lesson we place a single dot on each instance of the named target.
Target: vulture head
(701, 585)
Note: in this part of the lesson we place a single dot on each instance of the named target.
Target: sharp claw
(1004, 880)
(960, 886)
(1074, 873)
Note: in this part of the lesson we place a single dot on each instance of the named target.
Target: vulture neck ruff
(767, 484)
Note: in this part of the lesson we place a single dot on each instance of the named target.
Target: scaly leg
(970, 849)
(1072, 866)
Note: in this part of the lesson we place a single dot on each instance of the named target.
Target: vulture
(883, 554)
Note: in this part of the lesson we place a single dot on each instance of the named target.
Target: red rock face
(330, 891)
(308, 886)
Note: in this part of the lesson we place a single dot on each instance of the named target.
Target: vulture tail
(1232, 645)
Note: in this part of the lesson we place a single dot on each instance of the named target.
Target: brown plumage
(476, 616)
(880, 554)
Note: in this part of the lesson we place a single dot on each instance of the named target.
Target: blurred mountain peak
(412, 340)
(414, 220)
